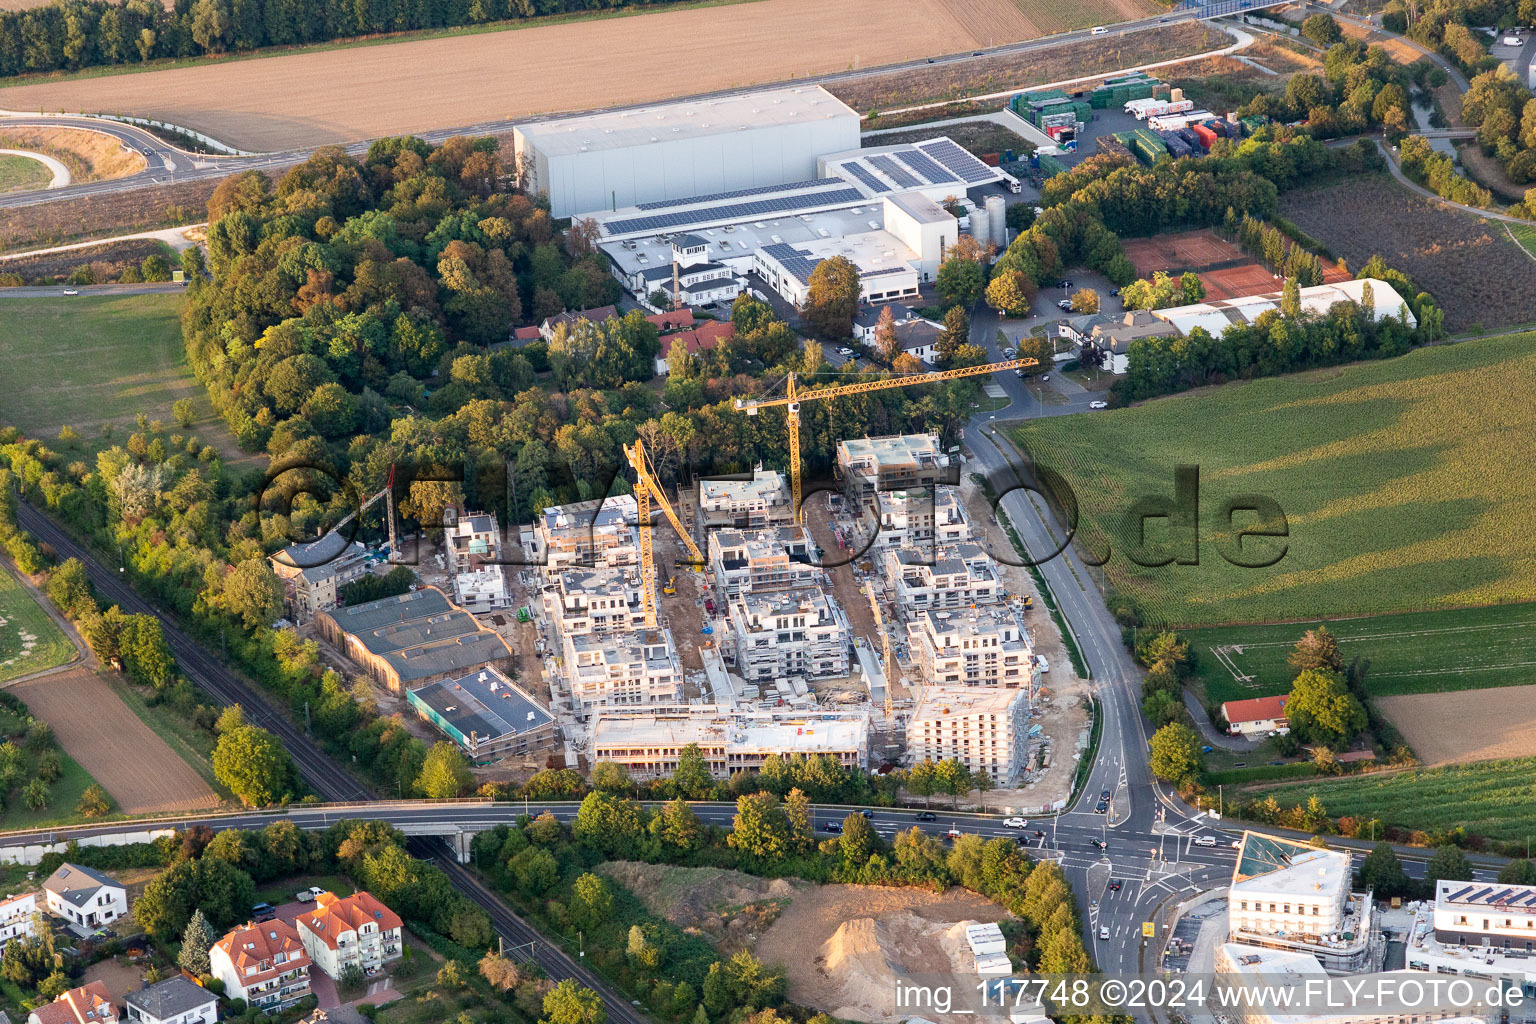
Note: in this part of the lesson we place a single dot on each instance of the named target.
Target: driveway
(1211, 734)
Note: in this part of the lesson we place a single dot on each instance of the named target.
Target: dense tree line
(1360, 88)
(67, 35)
(1274, 248)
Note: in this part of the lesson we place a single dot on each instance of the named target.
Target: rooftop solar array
(796, 261)
(1521, 896)
(924, 165)
(958, 160)
(740, 193)
(883, 271)
(861, 172)
(897, 173)
(734, 211)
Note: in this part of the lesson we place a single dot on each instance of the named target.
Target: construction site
(870, 624)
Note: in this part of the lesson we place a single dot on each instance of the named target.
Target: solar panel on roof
(1459, 893)
(897, 173)
(794, 261)
(663, 204)
(783, 204)
(1480, 894)
(925, 166)
(862, 173)
(1501, 895)
(958, 160)
(886, 270)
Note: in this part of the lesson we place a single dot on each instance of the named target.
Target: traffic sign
(1148, 930)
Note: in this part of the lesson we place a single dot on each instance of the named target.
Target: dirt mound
(727, 907)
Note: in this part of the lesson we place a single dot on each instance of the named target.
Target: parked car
(845, 352)
(926, 816)
(709, 605)
(1065, 304)
(263, 912)
(1045, 378)
(1009, 353)
(1205, 840)
(1098, 405)
(309, 895)
(1014, 823)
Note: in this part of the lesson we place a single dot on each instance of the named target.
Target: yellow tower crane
(890, 653)
(793, 397)
(648, 489)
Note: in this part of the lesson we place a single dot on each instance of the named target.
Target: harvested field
(90, 156)
(107, 261)
(76, 220)
(955, 80)
(1467, 725)
(143, 774)
(398, 88)
(846, 946)
(1399, 50)
(1470, 266)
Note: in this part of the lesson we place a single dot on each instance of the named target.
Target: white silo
(981, 225)
(997, 216)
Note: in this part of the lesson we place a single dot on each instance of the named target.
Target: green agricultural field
(1404, 483)
(93, 361)
(1525, 234)
(22, 172)
(1490, 798)
(1419, 652)
(29, 640)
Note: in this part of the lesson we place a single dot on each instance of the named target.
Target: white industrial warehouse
(687, 200)
(669, 151)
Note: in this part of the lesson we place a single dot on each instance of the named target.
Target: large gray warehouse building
(680, 150)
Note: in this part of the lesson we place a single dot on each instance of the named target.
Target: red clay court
(1226, 271)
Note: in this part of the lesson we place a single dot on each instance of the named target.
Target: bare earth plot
(95, 727)
(315, 98)
(1466, 725)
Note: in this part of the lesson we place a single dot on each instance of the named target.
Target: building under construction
(732, 740)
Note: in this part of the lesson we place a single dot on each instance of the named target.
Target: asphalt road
(57, 291)
(181, 167)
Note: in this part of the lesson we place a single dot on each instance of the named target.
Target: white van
(1098, 30)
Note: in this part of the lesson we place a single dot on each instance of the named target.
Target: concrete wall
(33, 853)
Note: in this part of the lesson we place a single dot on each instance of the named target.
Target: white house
(85, 897)
(357, 930)
(483, 589)
(264, 964)
(172, 1001)
(16, 914)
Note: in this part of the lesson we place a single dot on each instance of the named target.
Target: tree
(1085, 300)
(887, 341)
(832, 298)
(1448, 863)
(352, 977)
(35, 795)
(254, 765)
(611, 777)
(534, 870)
(1175, 753)
(1322, 30)
(94, 802)
(952, 777)
(1320, 708)
(957, 332)
(1518, 872)
(184, 412)
(960, 281)
(1382, 873)
(502, 974)
(591, 900)
(760, 827)
(677, 827)
(1161, 707)
(252, 592)
(569, 1003)
(1316, 650)
(1290, 298)
(643, 953)
(444, 774)
(195, 943)
(691, 779)
(1011, 293)
(982, 783)
(451, 975)
(858, 840)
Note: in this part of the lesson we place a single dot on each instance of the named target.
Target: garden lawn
(22, 172)
(1490, 798)
(1419, 652)
(30, 641)
(1404, 484)
(63, 796)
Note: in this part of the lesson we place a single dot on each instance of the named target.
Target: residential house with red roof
(1256, 717)
(265, 964)
(701, 339)
(356, 930)
(88, 1004)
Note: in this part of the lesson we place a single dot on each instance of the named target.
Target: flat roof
(1480, 894)
(765, 484)
(893, 450)
(970, 622)
(936, 162)
(744, 731)
(1270, 864)
(875, 253)
(421, 634)
(688, 119)
(936, 701)
(485, 705)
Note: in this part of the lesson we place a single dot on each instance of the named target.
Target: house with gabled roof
(85, 897)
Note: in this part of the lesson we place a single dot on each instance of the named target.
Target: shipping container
(1206, 136)
(992, 159)
(1051, 166)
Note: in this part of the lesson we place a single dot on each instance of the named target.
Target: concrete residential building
(172, 1001)
(986, 730)
(482, 589)
(588, 533)
(788, 633)
(754, 504)
(84, 897)
(1265, 974)
(16, 916)
(922, 517)
(731, 740)
(1288, 895)
(91, 1003)
(901, 462)
(356, 930)
(409, 639)
(472, 539)
(486, 714)
(1257, 716)
(264, 964)
(971, 647)
(760, 561)
(1477, 928)
(601, 601)
(313, 573)
(688, 148)
(957, 576)
(621, 670)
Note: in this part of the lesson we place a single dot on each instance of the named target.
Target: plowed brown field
(94, 726)
(307, 99)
